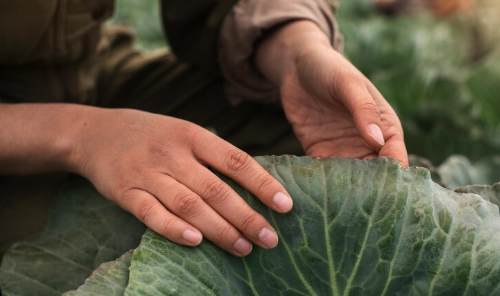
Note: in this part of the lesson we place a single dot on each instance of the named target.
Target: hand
(334, 109)
(155, 167)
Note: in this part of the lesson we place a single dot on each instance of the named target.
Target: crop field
(359, 227)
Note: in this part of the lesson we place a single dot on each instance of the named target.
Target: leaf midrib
(331, 264)
(396, 252)
(445, 252)
(367, 234)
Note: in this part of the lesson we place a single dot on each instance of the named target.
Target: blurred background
(436, 61)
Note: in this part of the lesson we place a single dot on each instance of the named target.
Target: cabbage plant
(358, 227)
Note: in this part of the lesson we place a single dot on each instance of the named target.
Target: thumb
(365, 113)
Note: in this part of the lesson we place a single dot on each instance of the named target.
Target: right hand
(155, 167)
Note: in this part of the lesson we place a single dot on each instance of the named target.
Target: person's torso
(50, 31)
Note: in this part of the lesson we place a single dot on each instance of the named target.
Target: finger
(395, 148)
(225, 201)
(243, 169)
(395, 145)
(364, 110)
(151, 212)
(190, 207)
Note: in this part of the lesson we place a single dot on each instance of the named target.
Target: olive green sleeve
(247, 23)
(22, 25)
(50, 31)
(192, 28)
(219, 36)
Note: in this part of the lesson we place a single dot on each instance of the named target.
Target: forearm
(278, 53)
(37, 138)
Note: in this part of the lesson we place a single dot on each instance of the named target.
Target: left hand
(334, 109)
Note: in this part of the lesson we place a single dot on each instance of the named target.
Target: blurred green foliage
(144, 17)
(447, 97)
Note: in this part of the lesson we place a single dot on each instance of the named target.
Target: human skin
(155, 166)
(334, 109)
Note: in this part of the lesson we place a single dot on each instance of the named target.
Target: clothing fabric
(247, 22)
(158, 83)
(50, 31)
(60, 51)
(49, 45)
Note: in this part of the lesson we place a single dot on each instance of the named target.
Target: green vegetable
(458, 171)
(489, 193)
(109, 279)
(357, 228)
(84, 231)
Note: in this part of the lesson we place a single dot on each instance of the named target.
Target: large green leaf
(109, 279)
(160, 267)
(489, 193)
(84, 230)
(357, 228)
(418, 161)
(458, 171)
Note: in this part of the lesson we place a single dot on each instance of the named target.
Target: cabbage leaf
(357, 228)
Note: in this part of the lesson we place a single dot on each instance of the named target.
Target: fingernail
(268, 237)
(192, 237)
(376, 133)
(283, 202)
(242, 247)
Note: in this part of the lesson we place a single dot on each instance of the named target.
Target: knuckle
(346, 83)
(124, 186)
(215, 191)
(367, 108)
(167, 226)
(198, 138)
(237, 160)
(369, 105)
(351, 80)
(162, 153)
(222, 232)
(264, 181)
(248, 220)
(146, 210)
(186, 204)
(186, 127)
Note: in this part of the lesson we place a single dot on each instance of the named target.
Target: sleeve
(50, 31)
(217, 35)
(245, 25)
(192, 28)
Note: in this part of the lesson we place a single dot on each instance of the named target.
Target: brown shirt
(246, 23)
(210, 34)
(50, 31)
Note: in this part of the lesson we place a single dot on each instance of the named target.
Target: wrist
(40, 138)
(278, 54)
(82, 137)
(66, 143)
